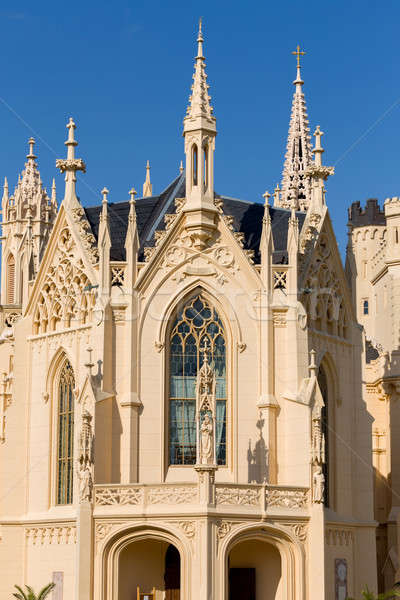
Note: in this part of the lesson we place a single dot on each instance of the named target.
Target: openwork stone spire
(199, 111)
(298, 151)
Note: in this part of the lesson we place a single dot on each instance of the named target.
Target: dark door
(242, 584)
(172, 576)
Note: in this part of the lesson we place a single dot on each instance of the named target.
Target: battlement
(372, 214)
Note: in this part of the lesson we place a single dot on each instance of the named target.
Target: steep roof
(247, 218)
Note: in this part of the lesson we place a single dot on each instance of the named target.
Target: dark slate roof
(247, 218)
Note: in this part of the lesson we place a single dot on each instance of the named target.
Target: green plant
(30, 594)
(389, 595)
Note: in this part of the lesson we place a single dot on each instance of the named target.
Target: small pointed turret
(70, 165)
(53, 193)
(266, 244)
(131, 243)
(181, 168)
(318, 173)
(298, 155)
(147, 187)
(104, 246)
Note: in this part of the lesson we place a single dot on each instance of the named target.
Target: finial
(298, 53)
(205, 349)
(266, 196)
(71, 132)
(53, 191)
(200, 40)
(89, 364)
(70, 165)
(5, 183)
(181, 167)
(312, 366)
(31, 143)
(318, 150)
(147, 187)
(298, 82)
(132, 194)
(105, 193)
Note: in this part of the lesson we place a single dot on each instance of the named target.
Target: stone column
(84, 551)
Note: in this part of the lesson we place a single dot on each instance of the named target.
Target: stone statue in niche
(318, 485)
(85, 458)
(206, 442)
(85, 484)
(205, 408)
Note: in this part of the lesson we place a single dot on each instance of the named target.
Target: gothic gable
(63, 294)
(323, 286)
(177, 254)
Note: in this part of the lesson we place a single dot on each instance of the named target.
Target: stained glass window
(65, 435)
(195, 323)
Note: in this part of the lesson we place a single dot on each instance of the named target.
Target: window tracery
(65, 435)
(323, 297)
(196, 324)
(66, 297)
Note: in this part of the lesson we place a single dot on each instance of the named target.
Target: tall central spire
(296, 188)
(199, 131)
(199, 110)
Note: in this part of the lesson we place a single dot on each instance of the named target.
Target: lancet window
(10, 284)
(65, 435)
(323, 386)
(195, 165)
(197, 326)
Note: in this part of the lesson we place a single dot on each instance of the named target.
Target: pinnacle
(298, 155)
(199, 100)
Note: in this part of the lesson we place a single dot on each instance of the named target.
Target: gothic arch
(10, 278)
(226, 310)
(331, 400)
(290, 549)
(113, 544)
(60, 359)
(168, 323)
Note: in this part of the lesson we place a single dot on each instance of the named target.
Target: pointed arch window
(323, 386)
(197, 322)
(10, 284)
(205, 167)
(65, 435)
(195, 165)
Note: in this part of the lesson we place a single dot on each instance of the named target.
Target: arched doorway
(150, 568)
(255, 571)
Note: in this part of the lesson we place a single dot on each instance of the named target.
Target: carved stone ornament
(86, 458)
(287, 498)
(66, 298)
(75, 164)
(49, 534)
(238, 496)
(172, 495)
(109, 496)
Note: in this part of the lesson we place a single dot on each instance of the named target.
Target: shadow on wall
(257, 457)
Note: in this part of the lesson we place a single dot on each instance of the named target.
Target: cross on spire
(298, 53)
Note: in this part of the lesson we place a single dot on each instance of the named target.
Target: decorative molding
(299, 530)
(108, 496)
(172, 495)
(287, 498)
(238, 496)
(47, 535)
(339, 537)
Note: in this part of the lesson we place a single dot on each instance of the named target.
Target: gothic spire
(147, 187)
(298, 150)
(199, 112)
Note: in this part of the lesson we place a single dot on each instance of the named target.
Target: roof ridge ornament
(147, 186)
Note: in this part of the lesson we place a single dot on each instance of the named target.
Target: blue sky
(123, 71)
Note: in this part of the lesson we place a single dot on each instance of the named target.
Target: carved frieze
(109, 496)
(38, 535)
(172, 495)
(238, 496)
(287, 498)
